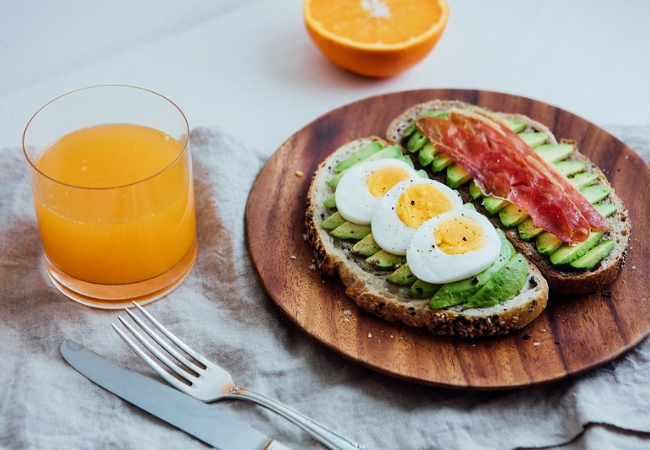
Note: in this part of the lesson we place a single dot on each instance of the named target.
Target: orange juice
(121, 209)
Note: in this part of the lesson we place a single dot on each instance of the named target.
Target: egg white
(353, 199)
(390, 233)
(430, 264)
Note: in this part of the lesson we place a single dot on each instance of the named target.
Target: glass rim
(106, 188)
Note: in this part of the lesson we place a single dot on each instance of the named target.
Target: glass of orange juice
(111, 176)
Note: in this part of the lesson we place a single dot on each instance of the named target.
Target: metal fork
(209, 382)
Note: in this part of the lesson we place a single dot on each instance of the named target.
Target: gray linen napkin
(223, 311)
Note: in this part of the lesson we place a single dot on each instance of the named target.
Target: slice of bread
(370, 290)
(561, 279)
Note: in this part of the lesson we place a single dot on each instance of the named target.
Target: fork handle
(324, 435)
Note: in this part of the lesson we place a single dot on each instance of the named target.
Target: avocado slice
(416, 141)
(494, 204)
(533, 138)
(330, 202)
(457, 176)
(358, 156)
(606, 209)
(506, 283)
(554, 152)
(547, 243)
(384, 260)
(596, 192)
(409, 130)
(366, 246)
(451, 294)
(422, 289)
(435, 113)
(426, 154)
(333, 221)
(440, 162)
(527, 229)
(402, 276)
(583, 179)
(567, 253)
(335, 180)
(474, 190)
(594, 256)
(349, 230)
(392, 151)
(568, 168)
(516, 124)
(512, 215)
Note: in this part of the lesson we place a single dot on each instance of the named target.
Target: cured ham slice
(505, 166)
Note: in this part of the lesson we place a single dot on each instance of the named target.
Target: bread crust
(561, 280)
(368, 287)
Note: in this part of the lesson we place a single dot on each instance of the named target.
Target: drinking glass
(111, 177)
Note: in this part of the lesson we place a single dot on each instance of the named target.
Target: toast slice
(562, 278)
(369, 288)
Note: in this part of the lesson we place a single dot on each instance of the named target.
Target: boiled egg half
(405, 207)
(453, 246)
(362, 185)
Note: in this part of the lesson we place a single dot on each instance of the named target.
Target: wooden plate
(572, 336)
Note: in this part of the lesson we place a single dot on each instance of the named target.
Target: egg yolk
(421, 202)
(460, 234)
(381, 180)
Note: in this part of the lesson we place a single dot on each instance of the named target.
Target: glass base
(118, 296)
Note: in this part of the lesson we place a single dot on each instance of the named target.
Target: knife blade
(206, 423)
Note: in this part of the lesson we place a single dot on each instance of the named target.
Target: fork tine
(150, 362)
(182, 345)
(157, 353)
(169, 349)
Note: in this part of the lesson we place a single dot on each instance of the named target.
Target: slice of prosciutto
(504, 166)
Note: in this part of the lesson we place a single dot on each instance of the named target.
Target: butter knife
(204, 422)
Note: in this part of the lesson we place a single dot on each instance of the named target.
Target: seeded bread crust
(562, 280)
(368, 287)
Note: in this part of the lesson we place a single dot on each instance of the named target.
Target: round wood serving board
(573, 335)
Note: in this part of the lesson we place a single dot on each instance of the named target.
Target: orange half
(376, 38)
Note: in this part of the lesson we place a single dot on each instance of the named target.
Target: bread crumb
(299, 173)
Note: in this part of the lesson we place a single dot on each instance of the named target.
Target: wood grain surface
(573, 335)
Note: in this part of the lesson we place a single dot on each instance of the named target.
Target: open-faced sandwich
(554, 204)
(422, 228)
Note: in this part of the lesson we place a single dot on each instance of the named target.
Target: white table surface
(235, 63)
(249, 68)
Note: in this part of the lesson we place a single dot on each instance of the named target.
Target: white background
(249, 67)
